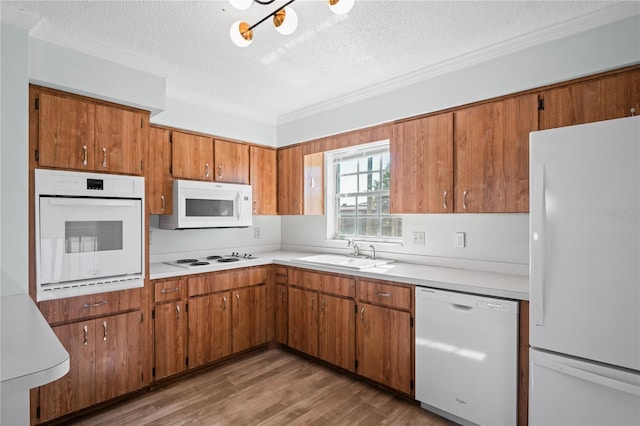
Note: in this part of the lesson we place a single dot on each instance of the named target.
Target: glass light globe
(341, 7)
(286, 24)
(241, 4)
(236, 34)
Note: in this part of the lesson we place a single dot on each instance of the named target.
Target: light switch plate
(257, 233)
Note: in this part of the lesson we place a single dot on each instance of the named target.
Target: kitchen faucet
(373, 251)
(356, 249)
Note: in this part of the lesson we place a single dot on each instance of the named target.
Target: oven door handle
(102, 202)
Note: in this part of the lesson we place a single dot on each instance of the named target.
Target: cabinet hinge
(141, 123)
(37, 155)
(171, 137)
(153, 316)
(356, 308)
(411, 384)
(186, 307)
(540, 104)
(141, 377)
(38, 107)
(186, 361)
(141, 318)
(153, 372)
(356, 364)
(141, 165)
(411, 322)
(38, 412)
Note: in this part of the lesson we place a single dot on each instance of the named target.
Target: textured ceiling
(327, 58)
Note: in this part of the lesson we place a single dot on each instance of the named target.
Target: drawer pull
(362, 314)
(86, 335)
(169, 290)
(84, 147)
(178, 312)
(384, 294)
(94, 305)
(224, 303)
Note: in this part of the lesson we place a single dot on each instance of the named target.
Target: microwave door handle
(239, 204)
(91, 202)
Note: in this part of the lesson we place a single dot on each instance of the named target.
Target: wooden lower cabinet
(384, 346)
(281, 308)
(249, 317)
(303, 320)
(106, 361)
(209, 333)
(170, 343)
(336, 331)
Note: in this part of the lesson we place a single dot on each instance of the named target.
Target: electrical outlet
(459, 240)
(256, 233)
(418, 238)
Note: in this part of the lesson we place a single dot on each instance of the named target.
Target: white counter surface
(506, 286)
(31, 353)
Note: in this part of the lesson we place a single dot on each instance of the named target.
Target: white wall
(14, 191)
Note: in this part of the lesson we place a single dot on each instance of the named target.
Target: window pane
(368, 226)
(368, 182)
(348, 166)
(368, 205)
(347, 226)
(391, 227)
(369, 163)
(347, 184)
(347, 206)
(385, 203)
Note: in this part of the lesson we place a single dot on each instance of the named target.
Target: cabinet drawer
(72, 308)
(225, 280)
(326, 283)
(281, 274)
(165, 291)
(385, 294)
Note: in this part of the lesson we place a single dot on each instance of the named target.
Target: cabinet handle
(94, 305)
(104, 157)
(206, 170)
(86, 335)
(295, 206)
(255, 206)
(178, 311)
(237, 299)
(312, 299)
(362, 314)
(84, 147)
(632, 111)
(464, 200)
(224, 303)
(384, 294)
(323, 302)
(104, 330)
(169, 290)
(162, 199)
(444, 200)
(219, 171)
(282, 294)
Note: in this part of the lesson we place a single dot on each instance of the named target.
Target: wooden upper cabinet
(192, 156)
(158, 180)
(314, 184)
(65, 132)
(422, 165)
(120, 138)
(264, 180)
(605, 98)
(231, 162)
(290, 175)
(82, 135)
(492, 155)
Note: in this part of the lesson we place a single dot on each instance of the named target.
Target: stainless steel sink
(344, 261)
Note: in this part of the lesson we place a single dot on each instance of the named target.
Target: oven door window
(86, 238)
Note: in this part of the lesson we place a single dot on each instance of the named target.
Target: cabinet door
(231, 162)
(594, 100)
(118, 355)
(492, 155)
(192, 156)
(75, 390)
(384, 346)
(264, 181)
(120, 137)
(158, 180)
(303, 320)
(337, 331)
(422, 165)
(66, 132)
(249, 322)
(290, 201)
(281, 306)
(209, 336)
(314, 184)
(170, 331)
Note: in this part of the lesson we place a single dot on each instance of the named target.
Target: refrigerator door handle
(538, 215)
(588, 376)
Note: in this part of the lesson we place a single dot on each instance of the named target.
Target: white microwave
(198, 204)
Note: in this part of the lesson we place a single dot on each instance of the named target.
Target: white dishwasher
(467, 356)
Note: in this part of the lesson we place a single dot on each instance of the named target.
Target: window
(359, 189)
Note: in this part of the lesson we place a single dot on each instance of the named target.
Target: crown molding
(18, 18)
(565, 29)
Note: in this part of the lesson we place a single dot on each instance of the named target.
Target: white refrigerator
(585, 274)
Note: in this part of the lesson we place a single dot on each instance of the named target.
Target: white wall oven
(89, 233)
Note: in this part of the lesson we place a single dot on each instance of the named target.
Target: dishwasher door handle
(458, 307)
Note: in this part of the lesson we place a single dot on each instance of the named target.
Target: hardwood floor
(267, 388)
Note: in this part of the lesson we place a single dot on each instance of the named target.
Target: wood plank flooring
(273, 387)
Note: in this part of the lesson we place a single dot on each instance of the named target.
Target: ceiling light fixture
(285, 19)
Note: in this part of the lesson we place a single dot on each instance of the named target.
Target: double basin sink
(344, 261)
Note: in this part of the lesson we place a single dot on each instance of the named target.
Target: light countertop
(495, 284)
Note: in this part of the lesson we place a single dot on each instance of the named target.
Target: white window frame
(331, 157)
